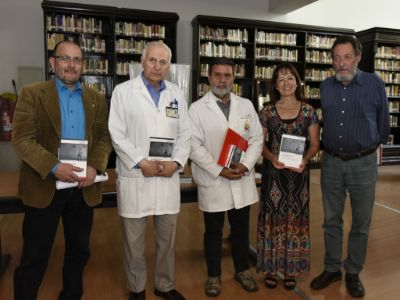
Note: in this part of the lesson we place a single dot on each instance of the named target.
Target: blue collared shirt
(72, 113)
(355, 116)
(154, 93)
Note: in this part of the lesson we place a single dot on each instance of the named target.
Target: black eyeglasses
(67, 59)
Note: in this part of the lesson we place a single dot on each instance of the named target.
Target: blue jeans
(358, 178)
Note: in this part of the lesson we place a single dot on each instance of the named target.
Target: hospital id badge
(171, 112)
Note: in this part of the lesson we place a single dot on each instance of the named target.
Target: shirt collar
(61, 86)
(149, 86)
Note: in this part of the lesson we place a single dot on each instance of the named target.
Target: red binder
(232, 149)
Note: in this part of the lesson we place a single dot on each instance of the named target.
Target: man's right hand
(231, 174)
(66, 172)
(149, 168)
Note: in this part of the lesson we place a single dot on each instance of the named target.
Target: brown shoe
(246, 280)
(213, 286)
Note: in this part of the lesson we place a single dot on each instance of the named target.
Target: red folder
(232, 149)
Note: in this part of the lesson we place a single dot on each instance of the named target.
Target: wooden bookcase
(381, 54)
(257, 47)
(110, 38)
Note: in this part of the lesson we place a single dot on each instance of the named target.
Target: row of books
(123, 67)
(130, 46)
(95, 66)
(392, 90)
(87, 44)
(224, 50)
(386, 64)
(240, 71)
(140, 30)
(221, 34)
(387, 52)
(394, 106)
(312, 92)
(319, 57)
(393, 121)
(73, 23)
(318, 74)
(277, 54)
(274, 38)
(264, 72)
(320, 41)
(389, 77)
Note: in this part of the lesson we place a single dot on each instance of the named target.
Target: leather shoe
(137, 296)
(324, 279)
(170, 295)
(354, 285)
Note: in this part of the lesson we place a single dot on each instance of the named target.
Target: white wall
(21, 22)
(22, 38)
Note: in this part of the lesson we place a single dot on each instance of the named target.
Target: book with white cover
(74, 152)
(291, 150)
(60, 185)
(161, 148)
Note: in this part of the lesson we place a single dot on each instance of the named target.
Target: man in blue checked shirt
(356, 122)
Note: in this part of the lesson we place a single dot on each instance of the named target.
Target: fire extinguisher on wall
(6, 108)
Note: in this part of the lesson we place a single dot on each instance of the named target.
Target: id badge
(172, 112)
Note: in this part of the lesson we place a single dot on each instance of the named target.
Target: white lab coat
(134, 118)
(209, 126)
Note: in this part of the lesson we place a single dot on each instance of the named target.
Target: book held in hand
(60, 185)
(291, 150)
(161, 148)
(74, 152)
(233, 149)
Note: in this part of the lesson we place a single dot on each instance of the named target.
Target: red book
(232, 149)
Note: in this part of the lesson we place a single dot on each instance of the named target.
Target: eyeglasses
(67, 59)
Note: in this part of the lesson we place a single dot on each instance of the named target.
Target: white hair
(153, 44)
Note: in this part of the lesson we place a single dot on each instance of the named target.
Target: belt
(349, 156)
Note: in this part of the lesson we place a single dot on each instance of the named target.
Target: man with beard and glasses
(224, 189)
(46, 112)
(356, 121)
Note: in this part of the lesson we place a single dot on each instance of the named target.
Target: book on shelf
(233, 149)
(291, 150)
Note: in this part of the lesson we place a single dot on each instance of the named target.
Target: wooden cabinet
(257, 47)
(110, 38)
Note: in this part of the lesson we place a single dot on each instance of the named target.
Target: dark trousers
(239, 237)
(39, 229)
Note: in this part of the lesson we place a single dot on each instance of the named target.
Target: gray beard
(221, 92)
(346, 78)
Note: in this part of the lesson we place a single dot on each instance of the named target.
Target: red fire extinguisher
(6, 119)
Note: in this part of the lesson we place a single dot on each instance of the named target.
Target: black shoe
(354, 285)
(137, 296)
(324, 279)
(170, 295)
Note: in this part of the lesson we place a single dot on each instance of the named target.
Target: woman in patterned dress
(283, 240)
